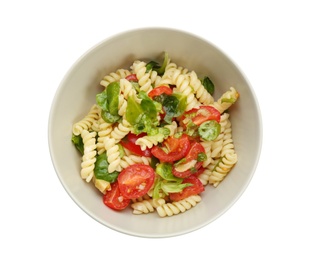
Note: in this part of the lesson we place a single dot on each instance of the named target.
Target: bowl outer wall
(76, 94)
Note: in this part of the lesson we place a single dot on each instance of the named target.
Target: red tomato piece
(130, 143)
(203, 114)
(136, 180)
(195, 149)
(199, 171)
(196, 188)
(172, 149)
(114, 199)
(132, 77)
(159, 91)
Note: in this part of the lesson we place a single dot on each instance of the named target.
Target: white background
(271, 41)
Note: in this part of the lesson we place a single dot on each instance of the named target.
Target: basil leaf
(161, 70)
(108, 117)
(153, 65)
(133, 111)
(78, 143)
(209, 130)
(168, 187)
(157, 188)
(143, 116)
(174, 105)
(113, 90)
(165, 171)
(148, 106)
(101, 169)
(209, 86)
(101, 100)
(108, 101)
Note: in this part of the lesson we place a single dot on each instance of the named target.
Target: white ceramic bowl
(76, 94)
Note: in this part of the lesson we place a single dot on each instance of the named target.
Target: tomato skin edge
(114, 199)
(183, 146)
(159, 91)
(210, 113)
(129, 143)
(196, 188)
(192, 154)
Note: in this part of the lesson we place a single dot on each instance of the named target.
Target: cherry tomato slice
(129, 143)
(159, 91)
(196, 188)
(114, 199)
(195, 149)
(132, 77)
(203, 114)
(176, 148)
(136, 180)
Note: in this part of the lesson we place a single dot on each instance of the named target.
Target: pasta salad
(155, 137)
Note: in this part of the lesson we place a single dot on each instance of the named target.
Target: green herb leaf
(201, 157)
(113, 90)
(231, 100)
(161, 70)
(153, 65)
(78, 142)
(174, 105)
(209, 130)
(143, 116)
(165, 171)
(108, 101)
(168, 187)
(101, 169)
(209, 86)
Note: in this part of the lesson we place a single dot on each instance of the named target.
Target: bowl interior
(76, 94)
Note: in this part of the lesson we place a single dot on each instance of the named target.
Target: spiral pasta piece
(121, 130)
(222, 168)
(104, 130)
(207, 146)
(144, 80)
(182, 85)
(86, 123)
(122, 105)
(174, 208)
(149, 141)
(217, 144)
(113, 154)
(224, 121)
(146, 206)
(114, 76)
(204, 177)
(201, 93)
(126, 88)
(172, 127)
(226, 100)
(89, 155)
(131, 159)
(227, 145)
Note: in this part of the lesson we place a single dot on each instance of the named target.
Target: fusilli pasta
(87, 121)
(89, 156)
(130, 121)
(176, 207)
